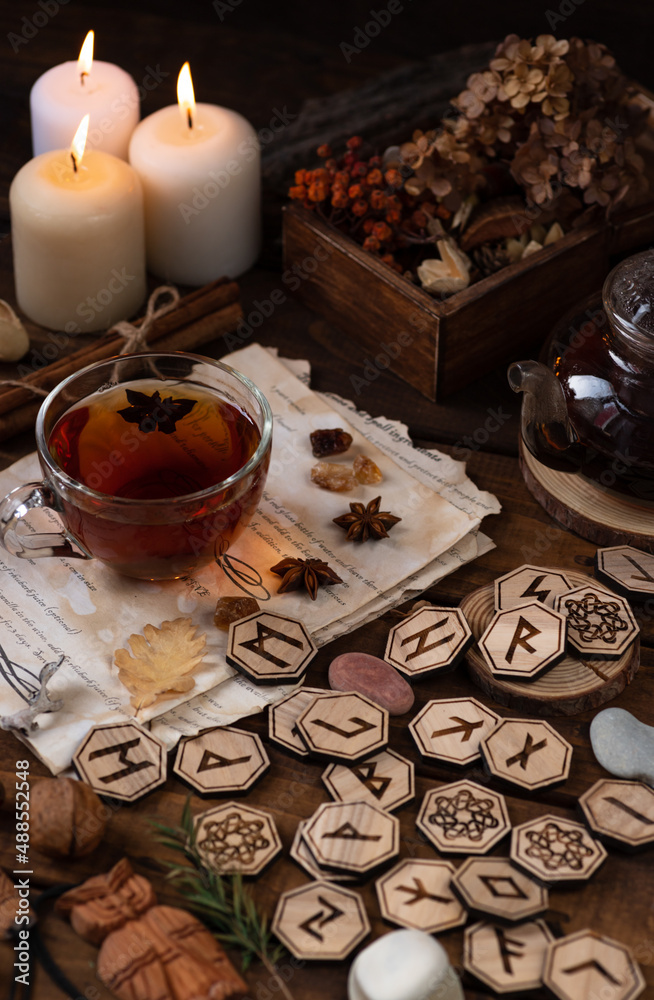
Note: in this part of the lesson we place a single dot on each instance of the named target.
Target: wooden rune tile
(283, 716)
(494, 886)
(221, 761)
(626, 570)
(587, 964)
(529, 583)
(300, 853)
(508, 959)
(556, 850)
(527, 752)
(524, 642)
(386, 780)
(320, 921)
(431, 640)
(343, 726)
(352, 836)
(450, 729)
(270, 648)
(621, 812)
(121, 760)
(237, 838)
(463, 818)
(599, 624)
(416, 893)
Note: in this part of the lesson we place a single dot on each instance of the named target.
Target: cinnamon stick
(199, 304)
(185, 336)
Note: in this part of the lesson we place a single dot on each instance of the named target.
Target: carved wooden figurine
(148, 951)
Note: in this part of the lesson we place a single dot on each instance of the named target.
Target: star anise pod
(367, 521)
(152, 413)
(308, 573)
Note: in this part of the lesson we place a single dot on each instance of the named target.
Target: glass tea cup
(153, 462)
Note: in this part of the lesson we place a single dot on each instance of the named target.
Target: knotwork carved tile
(556, 850)
(237, 838)
(463, 818)
(599, 623)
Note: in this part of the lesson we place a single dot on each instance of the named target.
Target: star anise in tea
(152, 413)
(308, 573)
(367, 521)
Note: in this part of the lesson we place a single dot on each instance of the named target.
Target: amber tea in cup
(155, 462)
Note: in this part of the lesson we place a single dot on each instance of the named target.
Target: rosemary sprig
(222, 901)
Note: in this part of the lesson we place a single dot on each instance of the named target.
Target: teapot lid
(628, 297)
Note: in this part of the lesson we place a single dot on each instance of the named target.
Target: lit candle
(200, 169)
(61, 96)
(78, 238)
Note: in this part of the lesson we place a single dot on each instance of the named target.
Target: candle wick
(189, 118)
(73, 158)
(82, 75)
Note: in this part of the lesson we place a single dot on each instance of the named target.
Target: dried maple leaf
(161, 662)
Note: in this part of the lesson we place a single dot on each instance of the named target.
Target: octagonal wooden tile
(237, 838)
(523, 642)
(463, 818)
(556, 850)
(529, 583)
(599, 624)
(343, 726)
(121, 760)
(352, 836)
(587, 964)
(221, 761)
(508, 959)
(621, 812)
(450, 729)
(320, 921)
(494, 886)
(431, 640)
(416, 893)
(300, 852)
(386, 780)
(626, 570)
(527, 752)
(270, 648)
(283, 716)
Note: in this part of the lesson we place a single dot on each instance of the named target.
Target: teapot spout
(545, 425)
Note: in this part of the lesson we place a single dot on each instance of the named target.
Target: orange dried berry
(324, 151)
(342, 177)
(393, 217)
(393, 178)
(360, 169)
(318, 192)
(371, 243)
(375, 177)
(442, 212)
(360, 207)
(355, 142)
(355, 191)
(393, 202)
(340, 199)
(331, 164)
(299, 191)
(378, 200)
(382, 231)
(300, 176)
(321, 175)
(368, 226)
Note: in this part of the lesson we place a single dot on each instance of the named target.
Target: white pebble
(623, 745)
(403, 965)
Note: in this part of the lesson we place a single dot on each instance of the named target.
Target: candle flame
(185, 95)
(85, 60)
(78, 144)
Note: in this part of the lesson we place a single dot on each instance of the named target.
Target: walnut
(68, 819)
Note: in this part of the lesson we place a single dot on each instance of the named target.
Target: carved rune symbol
(266, 632)
(634, 576)
(131, 766)
(592, 964)
(366, 775)
(531, 591)
(512, 891)
(629, 810)
(361, 723)
(594, 618)
(522, 757)
(463, 815)
(464, 727)
(418, 893)
(524, 630)
(348, 832)
(506, 954)
(233, 839)
(558, 848)
(421, 636)
(208, 757)
(321, 918)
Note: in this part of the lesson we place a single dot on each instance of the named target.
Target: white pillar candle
(64, 94)
(201, 175)
(78, 240)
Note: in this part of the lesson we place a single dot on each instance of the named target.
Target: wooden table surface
(255, 57)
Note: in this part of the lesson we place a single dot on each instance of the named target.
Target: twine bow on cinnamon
(135, 337)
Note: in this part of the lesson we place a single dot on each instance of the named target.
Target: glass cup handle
(26, 543)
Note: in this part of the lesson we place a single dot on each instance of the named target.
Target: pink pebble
(373, 678)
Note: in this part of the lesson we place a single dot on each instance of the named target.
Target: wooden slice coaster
(320, 921)
(121, 760)
(494, 886)
(588, 964)
(593, 513)
(387, 780)
(508, 959)
(574, 685)
(416, 893)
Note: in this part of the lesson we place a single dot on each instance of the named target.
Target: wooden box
(436, 345)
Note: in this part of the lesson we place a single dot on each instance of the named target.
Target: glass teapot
(590, 408)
